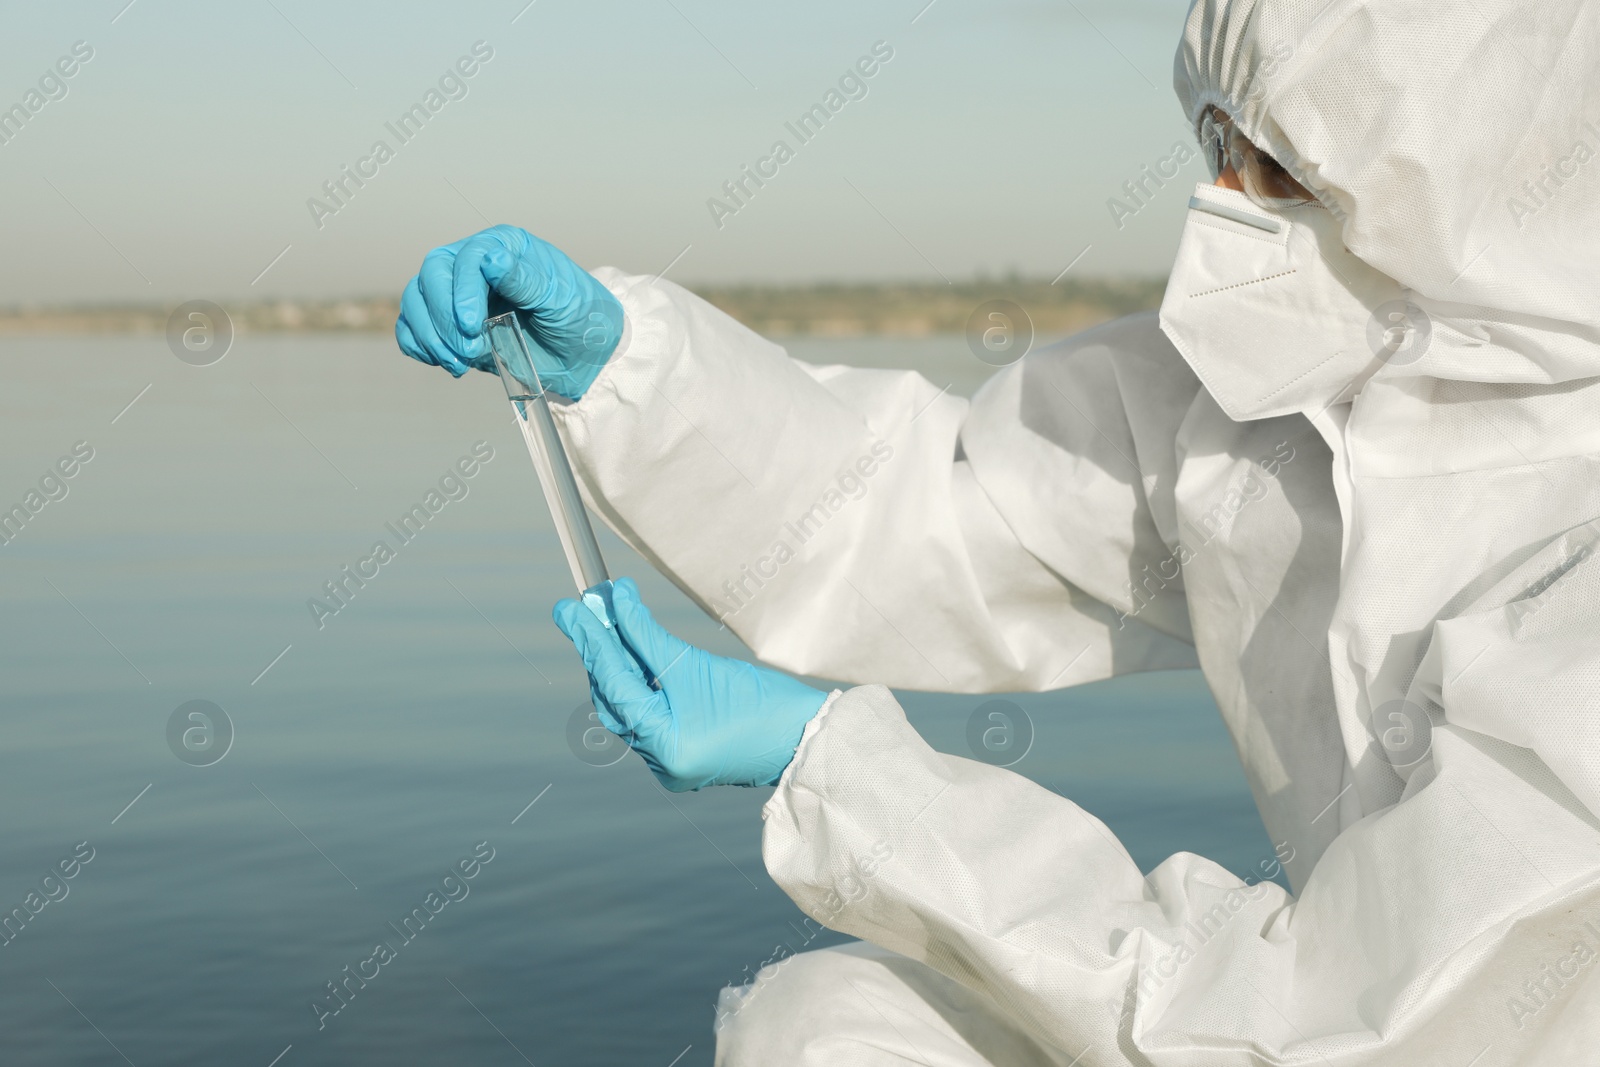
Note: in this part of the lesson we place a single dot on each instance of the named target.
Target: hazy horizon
(185, 158)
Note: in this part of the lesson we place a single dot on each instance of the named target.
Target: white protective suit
(1391, 587)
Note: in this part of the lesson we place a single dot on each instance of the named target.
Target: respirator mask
(1270, 309)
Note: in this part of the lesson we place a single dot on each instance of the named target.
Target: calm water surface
(372, 754)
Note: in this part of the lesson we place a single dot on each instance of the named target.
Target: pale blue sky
(192, 140)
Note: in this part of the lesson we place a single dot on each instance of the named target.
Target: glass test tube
(515, 364)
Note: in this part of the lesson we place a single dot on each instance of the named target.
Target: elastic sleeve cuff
(800, 751)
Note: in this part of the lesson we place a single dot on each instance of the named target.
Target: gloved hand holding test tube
(532, 407)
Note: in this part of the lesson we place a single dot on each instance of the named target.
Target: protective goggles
(1264, 179)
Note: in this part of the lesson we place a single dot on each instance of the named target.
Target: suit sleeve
(865, 526)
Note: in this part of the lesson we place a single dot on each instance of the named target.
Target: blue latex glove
(713, 721)
(573, 320)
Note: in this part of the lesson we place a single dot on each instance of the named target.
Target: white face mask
(1271, 310)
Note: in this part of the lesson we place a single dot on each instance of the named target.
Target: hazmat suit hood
(1457, 145)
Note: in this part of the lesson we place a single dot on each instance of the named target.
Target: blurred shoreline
(821, 310)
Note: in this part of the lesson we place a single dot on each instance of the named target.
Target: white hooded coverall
(1411, 549)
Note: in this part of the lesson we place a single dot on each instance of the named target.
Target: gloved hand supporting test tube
(515, 364)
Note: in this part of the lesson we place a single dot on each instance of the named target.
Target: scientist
(1388, 307)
